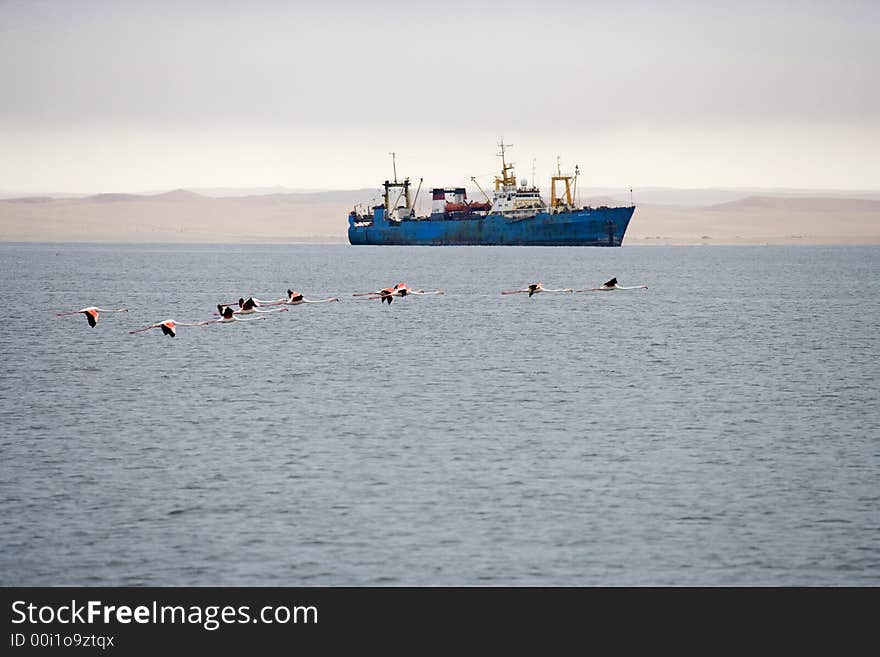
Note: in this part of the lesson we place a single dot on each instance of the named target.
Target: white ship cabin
(524, 201)
(518, 203)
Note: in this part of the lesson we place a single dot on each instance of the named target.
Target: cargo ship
(515, 215)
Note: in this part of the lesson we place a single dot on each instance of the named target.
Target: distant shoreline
(185, 217)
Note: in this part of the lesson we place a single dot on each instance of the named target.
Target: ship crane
(404, 191)
(416, 197)
(482, 191)
(570, 181)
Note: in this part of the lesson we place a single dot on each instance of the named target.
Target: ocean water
(719, 428)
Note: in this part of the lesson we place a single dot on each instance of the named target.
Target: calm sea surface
(720, 428)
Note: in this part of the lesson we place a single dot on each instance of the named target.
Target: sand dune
(803, 204)
(760, 220)
(185, 216)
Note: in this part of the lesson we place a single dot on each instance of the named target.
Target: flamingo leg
(252, 319)
(146, 328)
(274, 310)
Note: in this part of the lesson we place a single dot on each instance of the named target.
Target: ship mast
(507, 181)
(404, 190)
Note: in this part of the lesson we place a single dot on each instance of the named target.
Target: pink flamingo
(248, 306)
(384, 290)
(612, 285)
(535, 288)
(91, 313)
(402, 290)
(386, 293)
(295, 298)
(230, 315)
(169, 326)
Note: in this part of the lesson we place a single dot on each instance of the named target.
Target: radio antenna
(394, 164)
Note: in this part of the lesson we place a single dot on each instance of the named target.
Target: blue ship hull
(585, 227)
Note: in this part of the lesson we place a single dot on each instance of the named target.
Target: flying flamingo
(247, 307)
(389, 293)
(295, 298)
(612, 285)
(230, 315)
(402, 289)
(252, 302)
(250, 305)
(91, 313)
(534, 288)
(385, 294)
(169, 326)
(384, 290)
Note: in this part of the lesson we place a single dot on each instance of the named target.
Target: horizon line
(264, 190)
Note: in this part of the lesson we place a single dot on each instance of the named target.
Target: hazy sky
(130, 96)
